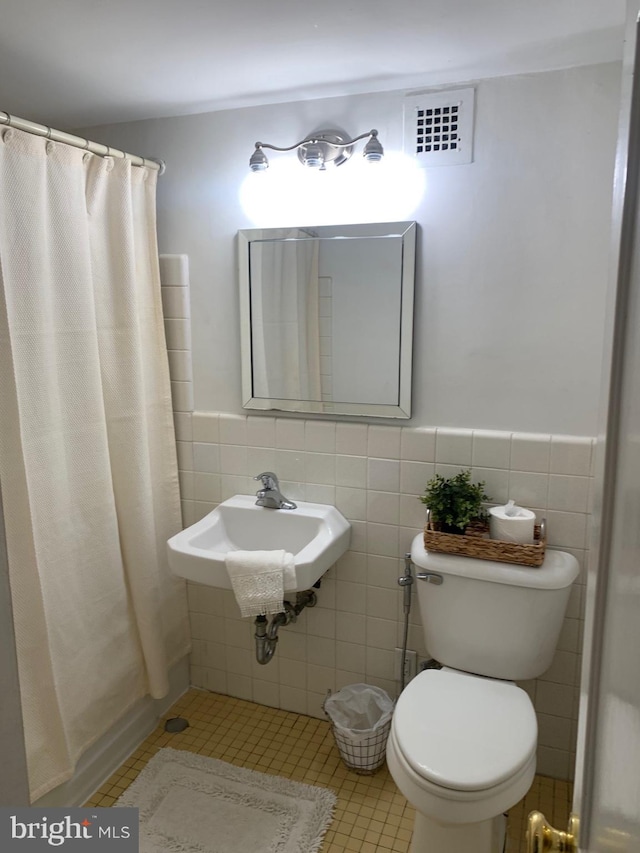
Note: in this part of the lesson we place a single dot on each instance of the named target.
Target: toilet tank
(490, 618)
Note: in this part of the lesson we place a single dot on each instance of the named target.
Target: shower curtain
(285, 318)
(87, 452)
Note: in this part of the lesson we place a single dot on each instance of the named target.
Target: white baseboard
(116, 745)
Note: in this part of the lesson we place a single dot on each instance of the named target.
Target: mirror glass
(327, 318)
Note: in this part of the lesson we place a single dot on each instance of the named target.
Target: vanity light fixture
(325, 147)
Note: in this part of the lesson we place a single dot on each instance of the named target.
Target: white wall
(512, 258)
(511, 281)
(374, 475)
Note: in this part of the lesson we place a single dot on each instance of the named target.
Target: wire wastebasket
(360, 716)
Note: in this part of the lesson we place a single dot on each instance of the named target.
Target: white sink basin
(316, 534)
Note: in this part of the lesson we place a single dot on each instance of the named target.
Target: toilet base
(430, 836)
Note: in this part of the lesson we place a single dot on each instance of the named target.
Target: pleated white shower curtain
(285, 318)
(87, 451)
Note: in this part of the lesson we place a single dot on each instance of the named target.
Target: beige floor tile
(371, 815)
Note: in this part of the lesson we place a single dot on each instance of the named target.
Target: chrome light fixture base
(326, 148)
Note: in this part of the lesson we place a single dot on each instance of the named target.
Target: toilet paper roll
(512, 523)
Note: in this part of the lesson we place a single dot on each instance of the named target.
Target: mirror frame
(406, 230)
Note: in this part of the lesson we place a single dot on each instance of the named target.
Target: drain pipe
(266, 635)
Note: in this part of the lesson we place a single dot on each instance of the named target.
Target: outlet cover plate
(410, 665)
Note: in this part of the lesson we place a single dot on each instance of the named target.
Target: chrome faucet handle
(269, 480)
(269, 495)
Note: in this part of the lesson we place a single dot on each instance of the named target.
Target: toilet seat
(464, 732)
(447, 805)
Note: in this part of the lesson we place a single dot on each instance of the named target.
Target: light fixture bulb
(258, 161)
(373, 150)
(314, 156)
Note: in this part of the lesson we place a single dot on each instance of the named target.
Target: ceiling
(76, 63)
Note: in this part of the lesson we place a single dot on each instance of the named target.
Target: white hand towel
(259, 578)
(290, 581)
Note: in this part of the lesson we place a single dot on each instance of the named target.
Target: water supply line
(266, 635)
(406, 582)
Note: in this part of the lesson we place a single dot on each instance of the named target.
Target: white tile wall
(174, 278)
(374, 474)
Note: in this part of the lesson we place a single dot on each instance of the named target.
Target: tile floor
(371, 815)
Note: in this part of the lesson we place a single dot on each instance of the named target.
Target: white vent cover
(438, 127)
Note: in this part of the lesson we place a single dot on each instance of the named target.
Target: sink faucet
(269, 495)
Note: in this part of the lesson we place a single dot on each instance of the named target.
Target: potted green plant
(455, 502)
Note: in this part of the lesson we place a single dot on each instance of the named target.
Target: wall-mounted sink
(316, 534)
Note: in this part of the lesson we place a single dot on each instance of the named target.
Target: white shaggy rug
(192, 804)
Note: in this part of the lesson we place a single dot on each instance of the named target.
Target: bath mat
(192, 804)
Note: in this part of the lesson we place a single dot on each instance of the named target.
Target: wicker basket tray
(475, 543)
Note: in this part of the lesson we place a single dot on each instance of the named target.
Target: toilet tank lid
(559, 569)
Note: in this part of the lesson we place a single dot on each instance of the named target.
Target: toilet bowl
(462, 751)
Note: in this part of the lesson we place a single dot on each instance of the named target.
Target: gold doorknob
(542, 838)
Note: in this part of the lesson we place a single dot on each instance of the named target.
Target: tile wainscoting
(374, 475)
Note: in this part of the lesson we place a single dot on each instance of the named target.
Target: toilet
(462, 746)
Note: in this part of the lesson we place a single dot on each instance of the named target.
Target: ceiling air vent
(438, 127)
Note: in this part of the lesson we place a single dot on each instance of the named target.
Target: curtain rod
(79, 142)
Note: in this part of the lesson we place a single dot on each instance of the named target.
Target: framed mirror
(327, 318)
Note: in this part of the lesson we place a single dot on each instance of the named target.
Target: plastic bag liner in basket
(361, 719)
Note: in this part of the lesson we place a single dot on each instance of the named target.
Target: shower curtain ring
(162, 166)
